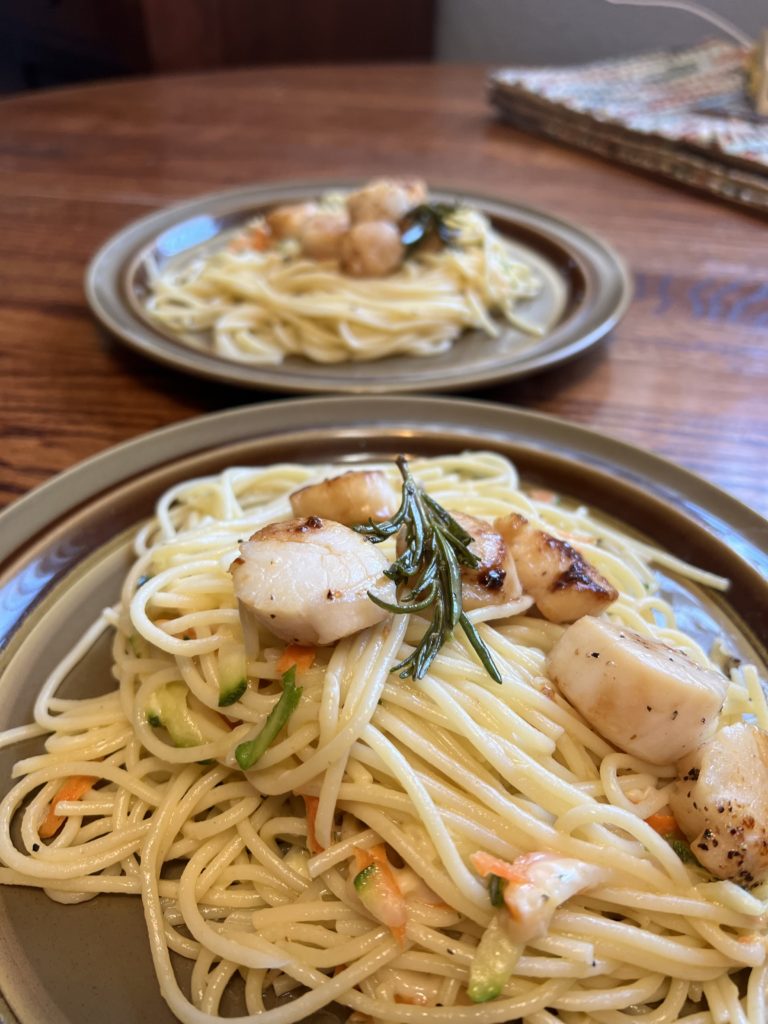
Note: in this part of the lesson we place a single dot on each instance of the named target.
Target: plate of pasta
(381, 286)
(322, 710)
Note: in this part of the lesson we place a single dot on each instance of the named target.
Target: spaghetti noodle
(263, 305)
(430, 770)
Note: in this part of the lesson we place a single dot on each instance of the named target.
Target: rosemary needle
(429, 571)
(426, 222)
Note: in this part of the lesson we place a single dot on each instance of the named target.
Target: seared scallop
(560, 580)
(720, 802)
(307, 580)
(645, 697)
(386, 199)
(352, 498)
(371, 249)
(495, 580)
(290, 221)
(322, 234)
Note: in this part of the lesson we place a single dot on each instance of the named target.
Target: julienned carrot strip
(72, 789)
(486, 864)
(311, 803)
(664, 824)
(362, 859)
(302, 657)
(258, 238)
(378, 855)
(542, 494)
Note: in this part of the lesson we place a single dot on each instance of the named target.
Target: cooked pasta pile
(435, 769)
(263, 306)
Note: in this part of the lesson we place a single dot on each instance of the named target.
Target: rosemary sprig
(429, 574)
(429, 220)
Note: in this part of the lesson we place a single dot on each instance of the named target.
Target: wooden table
(685, 374)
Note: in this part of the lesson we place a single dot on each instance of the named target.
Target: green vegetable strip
(234, 695)
(248, 753)
(681, 848)
(495, 890)
(493, 962)
(365, 877)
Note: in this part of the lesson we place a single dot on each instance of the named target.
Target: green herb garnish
(429, 570)
(430, 220)
(248, 753)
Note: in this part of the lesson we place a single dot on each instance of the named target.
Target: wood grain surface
(685, 374)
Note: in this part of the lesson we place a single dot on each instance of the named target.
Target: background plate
(65, 547)
(585, 290)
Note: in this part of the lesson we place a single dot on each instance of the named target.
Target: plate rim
(140, 336)
(34, 512)
(272, 420)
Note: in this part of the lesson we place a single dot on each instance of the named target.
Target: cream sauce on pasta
(436, 769)
(263, 306)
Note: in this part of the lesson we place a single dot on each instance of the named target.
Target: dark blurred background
(52, 42)
(56, 42)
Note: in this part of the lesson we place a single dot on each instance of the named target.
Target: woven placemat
(679, 114)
